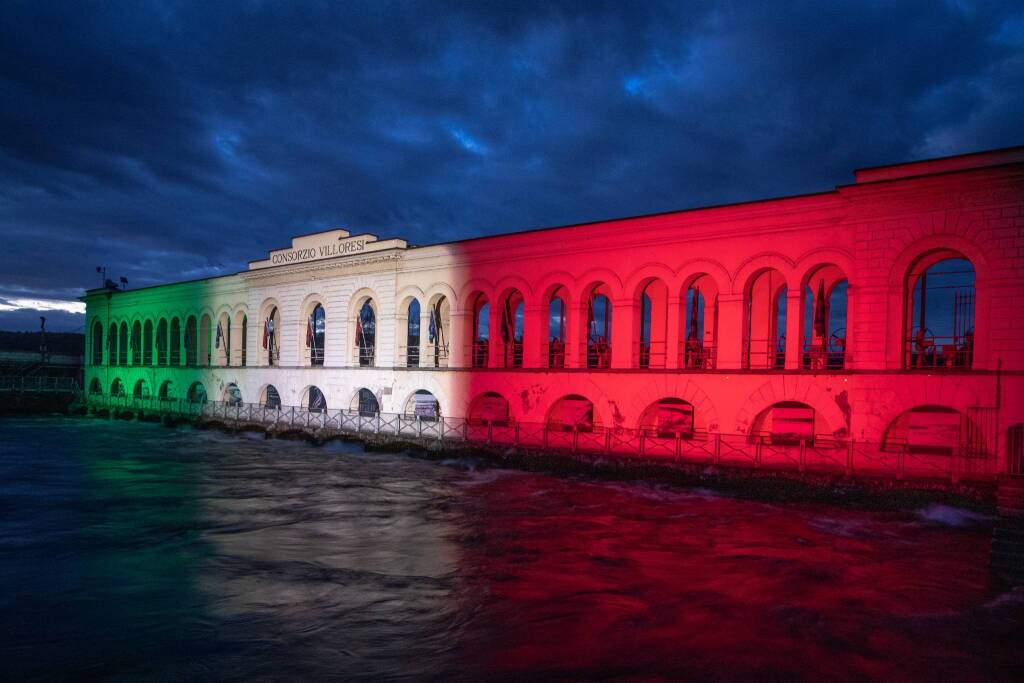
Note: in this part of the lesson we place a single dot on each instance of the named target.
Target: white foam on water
(948, 515)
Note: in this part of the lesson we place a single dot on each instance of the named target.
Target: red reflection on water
(595, 580)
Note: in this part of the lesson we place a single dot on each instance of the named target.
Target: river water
(134, 552)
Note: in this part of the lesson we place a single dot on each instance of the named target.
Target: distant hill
(56, 342)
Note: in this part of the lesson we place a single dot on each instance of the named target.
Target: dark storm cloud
(176, 140)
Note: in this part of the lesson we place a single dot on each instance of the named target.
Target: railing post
(954, 467)
(490, 432)
(575, 438)
(608, 441)
(642, 443)
(899, 465)
(515, 435)
(718, 448)
(545, 435)
(849, 458)
(679, 446)
(757, 453)
(803, 455)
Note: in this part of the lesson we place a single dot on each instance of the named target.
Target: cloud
(174, 140)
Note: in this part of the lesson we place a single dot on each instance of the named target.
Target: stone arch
(573, 411)
(196, 393)
(508, 315)
(141, 389)
(314, 399)
(269, 329)
(166, 392)
(744, 275)
(95, 388)
(650, 296)
(582, 285)
(827, 404)
(933, 429)
(765, 298)
(915, 254)
(365, 402)
(669, 416)
(232, 395)
(823, 336)
(691, 270)
(312, 346)
(117, 388)
(269, 397)
(417, 405)
(470, 290)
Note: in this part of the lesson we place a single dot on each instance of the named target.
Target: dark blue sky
(172, 140)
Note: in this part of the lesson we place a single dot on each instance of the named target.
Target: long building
(887, 313)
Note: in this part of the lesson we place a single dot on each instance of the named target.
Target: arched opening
(940, 312)
(652, 326)
(147, 343)
(489, 408)
(512, 329)
(668, 418)
(1015, 450)
(787, 423)
(598, 333)
(205, 341)
(136, 343)
(117, 387)
(824, 333)
(166, 392)
(271, 352)
(366, 334)
(572, 412)
(700, 324)
(232, 395)
(412, 334)
(927, 430)
(557, 320)
(422, 405)
(765, 338)
(161, 342)
(196, 393)
(97, 343)
(314, 400)
(112, 344)
(269, 398)
(141, 389)
(316, 334)
(437, 332)
(175, 342)
(365, 403)
(243, 341)
(191, 342)
(222, 339)
(122, 345)
(481, 331)
(95, 388)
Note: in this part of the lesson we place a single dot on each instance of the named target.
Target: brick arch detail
(791, 388)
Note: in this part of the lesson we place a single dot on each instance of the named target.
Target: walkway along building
(878, 323)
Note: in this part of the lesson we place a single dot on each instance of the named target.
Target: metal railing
(696, 355)
(553, 354)
(765, 354)
(936, 353)
(739, 450)
(40, 385)
(650, 355)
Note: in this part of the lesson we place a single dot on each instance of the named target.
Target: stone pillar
(576, 335)
(730, 331)
(459, 347)
(674, 334)
(624, 333)
(794, 329)
(426, 348)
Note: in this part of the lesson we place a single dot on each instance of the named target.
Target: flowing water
(134, 552)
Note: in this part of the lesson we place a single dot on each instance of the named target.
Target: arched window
(147, 343)
(700, 320)
(481, 331)
(270, 399)
(366, 334)
(668, 418)
(243, 355)
(222, 340)
(270, 336)
(653, 326)
(437, 332)
(197, 393)
(97, 343)
(316, 335)
(95, 388)
(572, 412)
(166, 392)
(556, 329)
(175, 342)
(191, 342)
(112, 344)
(205, 341)
(366, 403)
(412, 335)
(122, 345)
(423, 406)
(136, 344)
(511, 330)
(928, 429)
(786, 423)
(161, 342)
(117, 388)
(824, 334)
(141, 390)
(232, 395)
(599, 330)
(940, 313)
(315, 402)
(765, 338)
